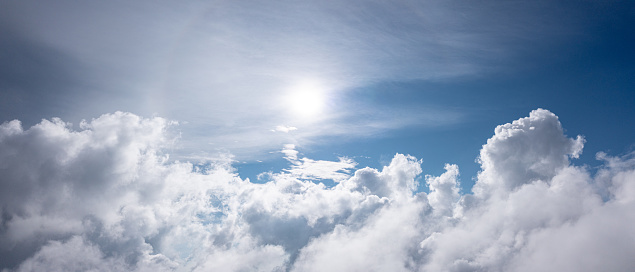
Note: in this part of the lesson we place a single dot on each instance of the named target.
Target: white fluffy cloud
(105, 197)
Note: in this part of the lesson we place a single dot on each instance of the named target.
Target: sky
(317, 135)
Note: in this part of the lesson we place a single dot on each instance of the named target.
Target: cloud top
(528, 149)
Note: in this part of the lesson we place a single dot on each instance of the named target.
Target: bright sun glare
(306, 100)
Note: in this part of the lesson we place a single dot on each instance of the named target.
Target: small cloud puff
(106, 198)
(285, 129)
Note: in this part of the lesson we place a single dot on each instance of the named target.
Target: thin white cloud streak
(305, 168)
(105, 197)
(285, 129)
(224, 67)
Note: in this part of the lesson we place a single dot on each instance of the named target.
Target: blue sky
(316, 91)
(429, 79)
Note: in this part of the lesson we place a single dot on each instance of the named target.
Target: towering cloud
(106, 197)
(526, 150)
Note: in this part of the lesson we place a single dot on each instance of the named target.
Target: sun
(306, 103)
(306, 100)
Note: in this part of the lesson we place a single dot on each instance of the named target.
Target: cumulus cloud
(444, 190)
(528, 149)
(106, 197)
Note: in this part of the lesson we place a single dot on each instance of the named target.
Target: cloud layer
(105, 197)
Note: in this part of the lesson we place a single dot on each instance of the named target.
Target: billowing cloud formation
(107, 198)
